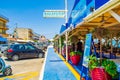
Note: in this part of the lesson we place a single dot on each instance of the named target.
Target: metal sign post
(66, 31)
(59, 14)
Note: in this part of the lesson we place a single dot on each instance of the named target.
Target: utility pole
(15, 32)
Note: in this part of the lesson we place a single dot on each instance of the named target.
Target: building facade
(3, 26)
(23, 33)
(42, 39)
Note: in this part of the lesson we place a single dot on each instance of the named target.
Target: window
(21, 47)
(29, 47)
(16, 47)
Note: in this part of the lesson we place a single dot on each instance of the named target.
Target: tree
(100, 33)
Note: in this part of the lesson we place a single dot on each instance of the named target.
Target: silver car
(3, 47)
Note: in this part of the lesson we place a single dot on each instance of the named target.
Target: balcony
(4, 35)
(4, 27)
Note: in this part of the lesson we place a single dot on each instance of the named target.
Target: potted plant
(110, 67)
(75, 57)
(105, 70)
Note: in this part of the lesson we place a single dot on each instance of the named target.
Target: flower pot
(99, 74)
(75, 59)
(64, 52)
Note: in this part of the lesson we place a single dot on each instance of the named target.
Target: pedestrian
(79, 46)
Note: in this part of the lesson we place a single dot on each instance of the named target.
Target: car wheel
(8, 71)
(40, 55)
(15, 57)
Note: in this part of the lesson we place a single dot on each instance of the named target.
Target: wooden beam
(113, 24)
(73, 34)
(91, 24)
(115, 15)
(78, 30)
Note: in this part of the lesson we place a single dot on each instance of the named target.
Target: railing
(4, 26)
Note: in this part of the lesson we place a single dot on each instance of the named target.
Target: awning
(83, 8)
(3, 39)
(63, 28)
(106, 16)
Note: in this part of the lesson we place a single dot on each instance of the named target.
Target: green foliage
(75, 53)
(56, 36)
(93, 62)
(109, 66)
(62, 41)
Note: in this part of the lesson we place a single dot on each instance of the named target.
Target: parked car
(3, 47)
(42, 46)
(19, 51)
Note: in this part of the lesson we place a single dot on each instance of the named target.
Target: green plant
(93, 62)
(109, 66)
(72, 53)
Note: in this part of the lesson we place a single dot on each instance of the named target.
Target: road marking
(43, 67)
(22, 76)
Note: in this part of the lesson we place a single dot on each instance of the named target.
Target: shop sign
(54, 14)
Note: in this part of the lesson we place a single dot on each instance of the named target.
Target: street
(25, 69)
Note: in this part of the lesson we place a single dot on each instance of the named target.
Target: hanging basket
(99, 74)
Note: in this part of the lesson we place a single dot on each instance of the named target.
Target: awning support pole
(115, 15)
(66, 46)
(66, 34)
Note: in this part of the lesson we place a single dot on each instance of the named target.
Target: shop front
(102, 21)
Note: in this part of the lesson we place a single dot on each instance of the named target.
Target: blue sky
(29, 14)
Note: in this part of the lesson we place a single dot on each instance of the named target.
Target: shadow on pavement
(56, 60)
(21, 59)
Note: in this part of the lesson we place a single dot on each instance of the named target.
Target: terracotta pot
(75, 59)
(100, 74)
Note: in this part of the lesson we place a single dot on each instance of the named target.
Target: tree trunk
(111, 44)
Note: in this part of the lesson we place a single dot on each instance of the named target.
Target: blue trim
(99, 3)
(63, 28)
(80, 10)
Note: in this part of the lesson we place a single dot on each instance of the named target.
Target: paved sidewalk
(55, 68)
